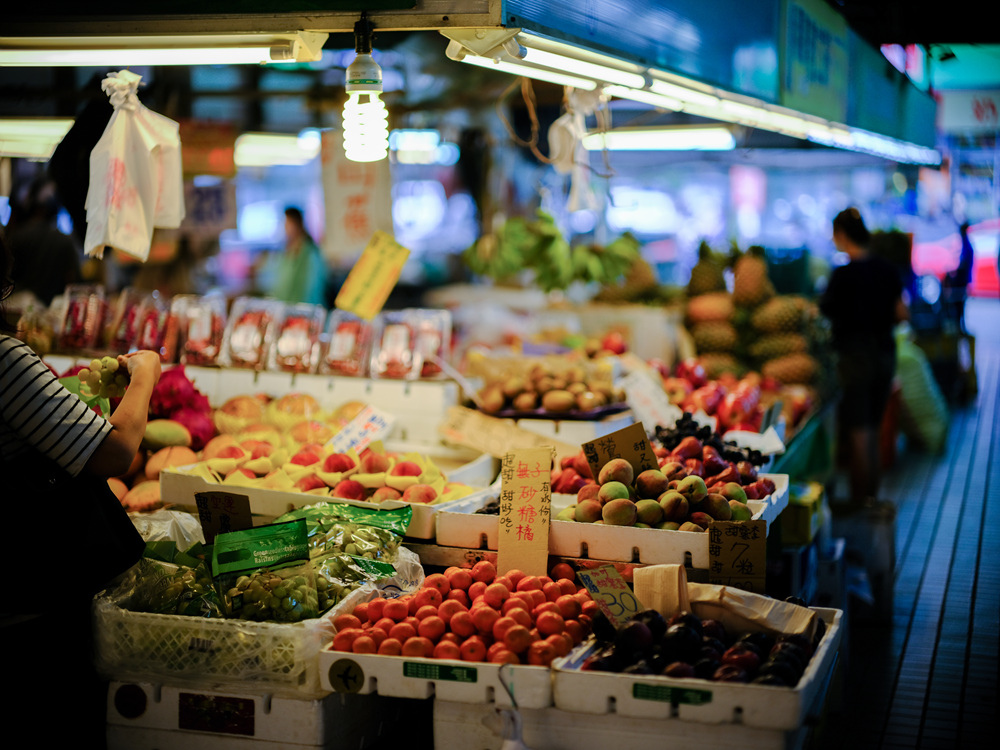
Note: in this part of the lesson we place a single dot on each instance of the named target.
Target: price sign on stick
(369, 426)
(372, 278)
(525, 511)
(222, 512)
(737, 554)
(630, 443)
(612, 594)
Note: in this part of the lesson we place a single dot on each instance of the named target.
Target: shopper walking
(66, 534)
(298, 274)
(863, 301)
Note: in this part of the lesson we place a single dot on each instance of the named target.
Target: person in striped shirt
(48, 633)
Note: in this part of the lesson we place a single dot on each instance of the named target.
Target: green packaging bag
(264, 574)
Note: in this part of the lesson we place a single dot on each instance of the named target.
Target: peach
(305, 458)
(588, 492)
(648, 512)
(651, 484)
(621, 512)
(337, 463)
(616, 470)
(588, 511)
(143, 496)
(246, 473)
(406, 469)
(674, 505)
(216, 444)
(385, 493)
(308, 482)
(348, 489)
(257, 448)
(419, 493)
(374, 463)
(171, 456)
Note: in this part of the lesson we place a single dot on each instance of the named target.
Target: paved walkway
(929, 680)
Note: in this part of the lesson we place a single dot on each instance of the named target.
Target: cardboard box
(802, 519)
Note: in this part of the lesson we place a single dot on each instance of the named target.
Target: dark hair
(295, 214)
(850, 223)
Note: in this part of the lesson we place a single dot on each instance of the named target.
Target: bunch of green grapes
(103, 379)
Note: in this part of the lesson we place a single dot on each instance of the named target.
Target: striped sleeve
(36, 409)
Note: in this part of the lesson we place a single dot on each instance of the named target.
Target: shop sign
(357, 199)
(969, 111)
(814, 60)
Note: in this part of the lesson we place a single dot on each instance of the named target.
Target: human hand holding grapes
(108, 377)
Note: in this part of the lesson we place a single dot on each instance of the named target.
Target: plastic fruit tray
(654, 697)
(458, 525)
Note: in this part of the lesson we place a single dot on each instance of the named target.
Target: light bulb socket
(364, 75)
(364, 32)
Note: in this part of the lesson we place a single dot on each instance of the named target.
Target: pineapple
(714, 337)
(778, 345)
(717, 364)
(751, 286)
(707, 274)
(713, 307)
(782, 314)
(792, 369)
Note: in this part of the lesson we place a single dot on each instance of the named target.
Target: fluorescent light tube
(32, 137)
(541, 74)
(662, 139)
(582, 68)
(645, 97)
(273, 149)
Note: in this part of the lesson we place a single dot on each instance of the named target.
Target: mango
(175, 455)
(144, 496)
(164, 433)
(648, 512)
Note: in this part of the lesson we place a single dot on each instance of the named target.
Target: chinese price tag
(376, 272)
(737, 554)
(370, 425)
(525, 511)
(222, 512)
(630, 443)
(494, 436)
(612, 594)
(649, 402)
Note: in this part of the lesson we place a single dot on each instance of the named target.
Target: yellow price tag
(376, 272)
(611, 592)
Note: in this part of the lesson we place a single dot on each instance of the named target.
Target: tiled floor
(929, 680)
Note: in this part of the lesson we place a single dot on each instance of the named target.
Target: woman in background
(863, 301)
(299, 273)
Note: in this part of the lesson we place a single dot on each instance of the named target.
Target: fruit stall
(375, 451)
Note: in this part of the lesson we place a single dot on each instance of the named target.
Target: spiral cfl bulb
(366, 127)
(366, 123)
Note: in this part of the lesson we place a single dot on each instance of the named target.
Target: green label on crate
(671, 694)
(439, 672)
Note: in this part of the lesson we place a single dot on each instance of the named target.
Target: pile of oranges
(475, 615)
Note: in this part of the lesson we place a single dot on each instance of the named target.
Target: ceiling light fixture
(34, 138)
(366, 122)
(126, 51)
(681, 138)
(535, 56)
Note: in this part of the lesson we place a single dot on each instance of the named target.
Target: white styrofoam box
(461, 526)
(179, 490)
(577, 431)
(695, 700)
(418, 405)
(473, 727)
(445, 679)
(179, 718)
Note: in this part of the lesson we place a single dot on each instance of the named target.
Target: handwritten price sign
(737, 554)
(370, 425)
(611, 592)
(630, 443)
(525, 511)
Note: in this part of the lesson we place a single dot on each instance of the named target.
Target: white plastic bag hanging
(135, 174)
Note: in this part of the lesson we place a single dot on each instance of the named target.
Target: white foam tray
(444, 679)
(577, 431)
(183, 717)
(478, 470)
(418, 405)
(459, 525)
(653, 697)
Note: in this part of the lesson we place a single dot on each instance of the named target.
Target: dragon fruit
(199, 424)
(174, 391)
